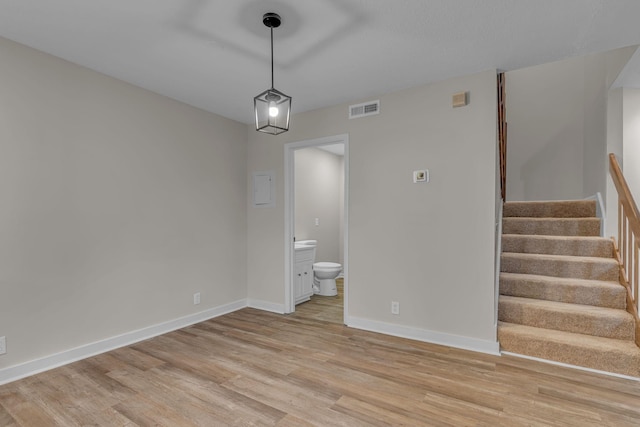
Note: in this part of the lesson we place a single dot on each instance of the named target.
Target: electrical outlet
(395, 307)
(196, 298)
(3, 345)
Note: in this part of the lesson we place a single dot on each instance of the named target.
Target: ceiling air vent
(364, 109)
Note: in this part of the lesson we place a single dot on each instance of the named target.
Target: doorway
(290, 204)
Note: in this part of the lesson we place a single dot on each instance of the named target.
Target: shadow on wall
(539, 174)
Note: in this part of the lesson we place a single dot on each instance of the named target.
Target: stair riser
(566, 353)
(559, 209)
(580, 323)
(552, 227)
(578, 269)
(557, 246)
(568, 293)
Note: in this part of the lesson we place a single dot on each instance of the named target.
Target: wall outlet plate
(3, 345)
(395, 307)
(196, 298)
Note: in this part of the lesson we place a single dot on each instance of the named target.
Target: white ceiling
(215, 54)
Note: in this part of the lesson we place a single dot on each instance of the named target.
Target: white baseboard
(266, 306)
(566, 365)
(465, 343)
(46, 363)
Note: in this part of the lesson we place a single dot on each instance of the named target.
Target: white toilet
(324, 278)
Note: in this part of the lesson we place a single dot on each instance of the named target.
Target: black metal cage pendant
(272, 107)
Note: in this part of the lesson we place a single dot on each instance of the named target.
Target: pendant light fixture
(272, 107)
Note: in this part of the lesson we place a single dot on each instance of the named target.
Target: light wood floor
(329, 309)
(258, 368)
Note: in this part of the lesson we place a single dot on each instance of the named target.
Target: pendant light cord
(271, 57)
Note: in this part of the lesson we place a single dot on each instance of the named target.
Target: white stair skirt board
(600, 211)
(16, 372)
(566, 365)
(425, 335)
(266, 306)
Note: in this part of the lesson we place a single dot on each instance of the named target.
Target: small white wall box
(264, 188)
(421, 176)
(459, 99)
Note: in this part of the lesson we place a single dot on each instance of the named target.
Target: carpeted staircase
(560, 296)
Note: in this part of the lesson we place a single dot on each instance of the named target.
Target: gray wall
(117, 205)
(623, 139)
(557, 118)
(318, 191)
(428, 246)
(631, 141)
(615, 128)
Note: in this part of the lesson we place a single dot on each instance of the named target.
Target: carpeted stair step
(551, 209)
(576, 318)
(605, 354)
(560, 296)
(569, 290)
(552, 226)
(591, 268)
(558, 245)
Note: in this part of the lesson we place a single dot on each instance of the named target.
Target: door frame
(289, 214)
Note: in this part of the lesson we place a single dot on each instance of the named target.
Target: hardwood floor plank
(456, 412)
(130, 357)
(293, 421)
(224, 403)
(613, 402)
(358, 384)
(142, 412)
(6, 419)
(618, 420)
(258, 368)
(376, 415)
(519, 367)
(302, 403)
(186, 358)
(23, 411)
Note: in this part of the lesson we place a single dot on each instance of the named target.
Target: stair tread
(552, 237)
(560, 219)
(551, 218)
(587, 341)
(605, 354)
(558, 245)
(552, 208)
(610, 284)
(552, 226)
(564, 289)
(570, 258)
(569, 317)
(570, 308)
(596, 268)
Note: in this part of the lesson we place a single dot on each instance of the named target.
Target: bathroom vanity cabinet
(303, 274)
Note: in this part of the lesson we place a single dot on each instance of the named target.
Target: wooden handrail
(628, 248)
(502, 135)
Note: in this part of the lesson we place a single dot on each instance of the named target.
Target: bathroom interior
(319, 234)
